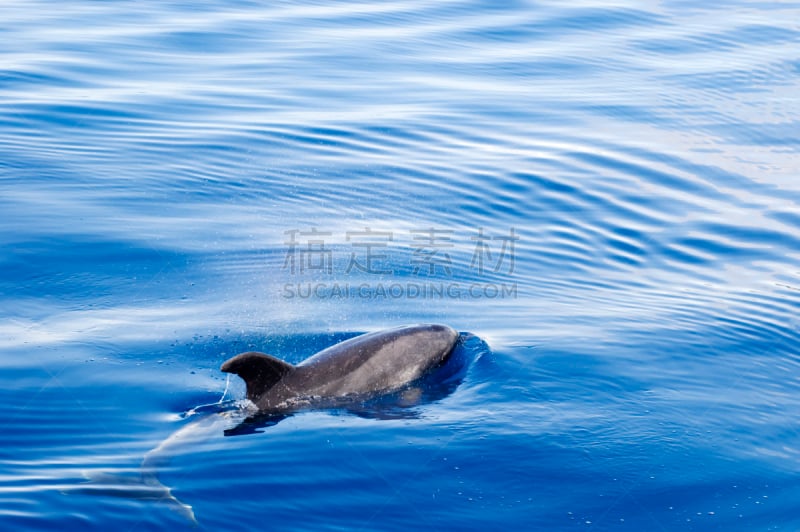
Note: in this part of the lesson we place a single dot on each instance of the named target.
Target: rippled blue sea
(604, 197)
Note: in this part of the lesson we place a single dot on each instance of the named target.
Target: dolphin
(363, 367)
(370, 366)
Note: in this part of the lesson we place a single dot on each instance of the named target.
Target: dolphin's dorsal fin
(260, 372)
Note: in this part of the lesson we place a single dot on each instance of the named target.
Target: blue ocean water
(602, 196)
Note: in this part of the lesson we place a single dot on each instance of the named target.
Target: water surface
(604, 193)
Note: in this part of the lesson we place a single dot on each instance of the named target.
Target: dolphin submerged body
(363, 367)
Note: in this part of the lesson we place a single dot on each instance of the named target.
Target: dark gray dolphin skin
(368, 365)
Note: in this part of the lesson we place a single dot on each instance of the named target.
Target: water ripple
(154, 157)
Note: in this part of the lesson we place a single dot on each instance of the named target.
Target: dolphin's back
(370, 364)
(375, 362)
